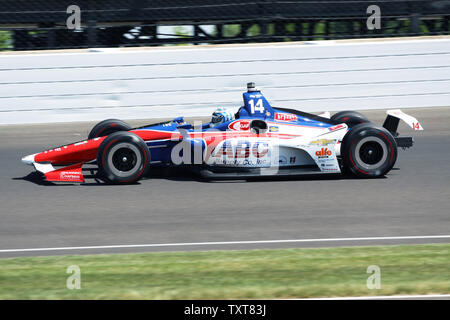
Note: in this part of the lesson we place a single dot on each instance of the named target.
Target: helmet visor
(216, 118)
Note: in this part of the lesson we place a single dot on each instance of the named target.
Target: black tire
(106, 127)
(350, 118)
(123, 158)
(368, 151)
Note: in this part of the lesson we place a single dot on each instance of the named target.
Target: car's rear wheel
(350, 118)
(123, 158)
(106, 127)
(368, 151)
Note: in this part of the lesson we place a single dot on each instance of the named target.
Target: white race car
(258, 140)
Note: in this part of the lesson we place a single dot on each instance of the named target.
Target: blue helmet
(221, 115)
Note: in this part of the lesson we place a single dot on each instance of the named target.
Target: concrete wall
(166, 82)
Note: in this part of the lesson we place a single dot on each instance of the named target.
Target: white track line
(401, 297)
(223, 243)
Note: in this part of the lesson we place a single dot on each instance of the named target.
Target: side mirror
(258, 126)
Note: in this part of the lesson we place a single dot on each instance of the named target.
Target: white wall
(166, 82)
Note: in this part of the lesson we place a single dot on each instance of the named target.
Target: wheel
(123, 157)
(368, 151)
(107, 127)
(351, 118)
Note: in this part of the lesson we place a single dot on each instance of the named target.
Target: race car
(258, 140)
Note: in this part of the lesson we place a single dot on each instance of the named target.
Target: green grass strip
(250, 274)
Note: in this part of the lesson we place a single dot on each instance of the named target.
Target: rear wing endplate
(391, 124)
(393, 118)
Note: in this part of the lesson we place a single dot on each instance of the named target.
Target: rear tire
(123, 158)
(350, 118)
(106, 127)
(368, 151)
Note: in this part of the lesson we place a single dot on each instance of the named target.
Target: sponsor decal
(242, 149)
(330, 169)
(243, 153)
(324, 152)
(285, 116)
(240, 125)
(225, 150)
(70, 175)
(322, 142)
(273, 129)
(339, 126)
(328, 164)
(260, 149)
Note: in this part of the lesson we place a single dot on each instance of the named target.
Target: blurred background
(143, 59)
(41, 24)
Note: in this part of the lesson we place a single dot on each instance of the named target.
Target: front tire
(368, 151)
(123, 158)
(350, 118)
(106, 127)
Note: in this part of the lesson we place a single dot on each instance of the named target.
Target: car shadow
(183, 174)
(38, 179)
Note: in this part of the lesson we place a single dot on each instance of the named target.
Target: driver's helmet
(221, 115)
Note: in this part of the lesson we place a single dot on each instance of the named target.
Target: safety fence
(57, 24)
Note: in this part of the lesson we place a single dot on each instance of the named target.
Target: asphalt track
(412, 200)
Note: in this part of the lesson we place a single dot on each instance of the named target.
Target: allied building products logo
(73, 22)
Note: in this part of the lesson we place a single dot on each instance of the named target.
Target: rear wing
(391, 124)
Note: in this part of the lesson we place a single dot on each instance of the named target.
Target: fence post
(92, 34)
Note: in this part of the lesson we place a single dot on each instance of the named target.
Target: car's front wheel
(123, 158)
(351, 118)
(368, 151)
(106, 127)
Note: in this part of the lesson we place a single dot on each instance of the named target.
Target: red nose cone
(83, 151)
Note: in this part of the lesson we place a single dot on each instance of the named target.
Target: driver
(221, 115)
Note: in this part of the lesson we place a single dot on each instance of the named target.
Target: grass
(252, 274)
